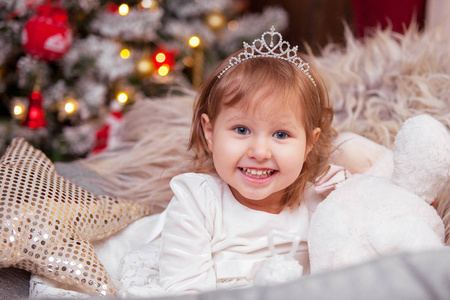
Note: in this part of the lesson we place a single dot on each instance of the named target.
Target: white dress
(210, 240)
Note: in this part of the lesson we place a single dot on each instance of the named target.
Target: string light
(146, 3)
(124, 9)
(149, 4)
(18, 110)
(145, 66)
(166, 58)
(125, 53)
(215, 20)
(122, 97)
(69, 107)
(194, 41)
(160, 57)
(163, 70)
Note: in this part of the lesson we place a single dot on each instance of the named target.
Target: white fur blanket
(375, 86)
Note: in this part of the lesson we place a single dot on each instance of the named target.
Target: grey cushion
(409, 276)
(14, 283)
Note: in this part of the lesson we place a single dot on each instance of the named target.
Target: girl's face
(257, 154)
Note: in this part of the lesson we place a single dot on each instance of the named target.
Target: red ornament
(47, 35)
(36, 114)
(164, 57)
(107, 137)
(113, 8)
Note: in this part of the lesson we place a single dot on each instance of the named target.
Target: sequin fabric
(47, 222)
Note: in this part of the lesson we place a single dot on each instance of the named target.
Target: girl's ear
(316, 134)
(207, 130)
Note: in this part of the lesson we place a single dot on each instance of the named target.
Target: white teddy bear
(367, 216)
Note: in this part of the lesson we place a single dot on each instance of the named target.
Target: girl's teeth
(254, 172)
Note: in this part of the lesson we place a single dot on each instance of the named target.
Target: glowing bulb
(18, 110)
(144, 66)
(69, 107)
(216, 20)
(194, 41)
(123, 9)
(160, 57)
(122, 97)
(125, 53)
(163, 70)
(146, 3)
(151, 4)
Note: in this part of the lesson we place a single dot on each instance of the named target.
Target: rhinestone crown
(276, 49)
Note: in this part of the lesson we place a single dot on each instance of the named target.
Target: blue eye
(242, 130)
(280, 135)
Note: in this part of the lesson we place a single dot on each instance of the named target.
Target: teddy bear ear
(422, 156)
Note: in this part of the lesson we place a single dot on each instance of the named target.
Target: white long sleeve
(186, 264)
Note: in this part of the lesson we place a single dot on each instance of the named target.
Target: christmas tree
(69, 69)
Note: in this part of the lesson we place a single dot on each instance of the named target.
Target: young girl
(261, 133)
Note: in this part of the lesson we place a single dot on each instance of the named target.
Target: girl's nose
(259, 150)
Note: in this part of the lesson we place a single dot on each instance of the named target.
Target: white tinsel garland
(80, 139)
(55, 93)
(251, 26)
(182, 30)
(87, 5)
(5, 50)
(191, 8)
(104, 53)
(92, 92)
(8, 31)
(27, 70)
(135, 26)
(19, 6)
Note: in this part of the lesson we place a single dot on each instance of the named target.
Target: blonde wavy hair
(250, 84)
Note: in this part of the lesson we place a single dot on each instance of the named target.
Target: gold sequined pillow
(47, 222)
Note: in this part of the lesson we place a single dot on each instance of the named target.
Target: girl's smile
(257, 173)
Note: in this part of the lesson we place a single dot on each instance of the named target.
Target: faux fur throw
(379, 82)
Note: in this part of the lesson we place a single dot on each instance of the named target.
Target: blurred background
(70, 69)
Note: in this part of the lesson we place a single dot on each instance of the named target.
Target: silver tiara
(281, 50)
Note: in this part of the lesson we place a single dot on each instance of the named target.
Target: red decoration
(101, 139)
(169, 57)
(47, 35)
(112, 8)
(36, 114)
(399, 14)
(107, 137)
